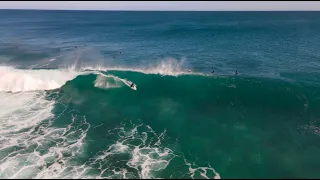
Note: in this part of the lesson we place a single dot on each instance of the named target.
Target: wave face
(67, 108)
(43, 135)
(94, 126)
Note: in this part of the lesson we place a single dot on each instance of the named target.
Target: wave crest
(166, 67)
(18, 80)
(21, 80)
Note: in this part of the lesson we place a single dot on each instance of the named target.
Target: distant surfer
(132, 85)
(236, 73)
(212, 71)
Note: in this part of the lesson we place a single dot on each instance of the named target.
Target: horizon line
(157, 10)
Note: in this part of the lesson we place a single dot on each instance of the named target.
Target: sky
(166, 5)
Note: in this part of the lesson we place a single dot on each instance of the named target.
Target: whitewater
(27, 129)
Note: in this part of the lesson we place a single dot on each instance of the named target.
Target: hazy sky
(163, 5)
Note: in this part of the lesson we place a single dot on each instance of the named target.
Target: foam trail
(102, 83)
(52, 59)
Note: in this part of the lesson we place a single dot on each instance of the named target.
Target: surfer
(132, 85)
(236, 73)
(212, 71)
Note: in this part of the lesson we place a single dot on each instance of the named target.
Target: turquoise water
(67, 109)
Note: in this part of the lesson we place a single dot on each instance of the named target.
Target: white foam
(193, 169)
(103, 82)
(26, 130)
(311, 127)
(146, 158)
(23, 110)
(18, 80)
(35, 165)
(25, 141)
(18, 118)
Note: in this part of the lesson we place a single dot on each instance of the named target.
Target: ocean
(67, 109)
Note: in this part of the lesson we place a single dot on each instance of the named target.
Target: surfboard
(134, 87)
(128, 83)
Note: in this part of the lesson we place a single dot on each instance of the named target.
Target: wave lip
(167, 67)
(21, 80)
